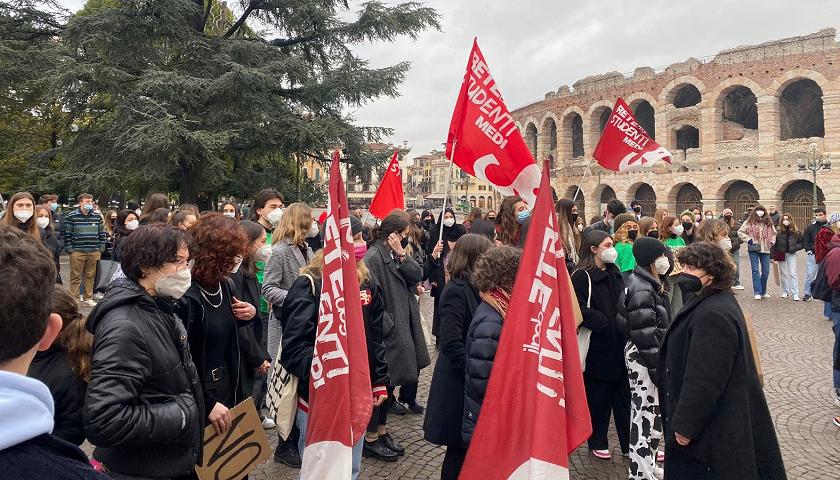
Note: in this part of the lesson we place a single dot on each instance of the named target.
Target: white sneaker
(758, 297)
(268, 423)
(738, 287)
(784, 295)
(796, 298)
(89, 303)
(837, 397)
(98, 296)
(766, 295)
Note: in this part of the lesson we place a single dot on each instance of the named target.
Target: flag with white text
(534, 412)
(625, 145)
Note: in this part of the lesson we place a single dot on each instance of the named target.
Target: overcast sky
(535, 46)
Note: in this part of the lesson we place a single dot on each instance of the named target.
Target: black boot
(379, 451)
(287, 454)
(397, 408)
(389, 442)
(415, 407)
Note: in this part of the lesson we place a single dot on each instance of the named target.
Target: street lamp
(814, 164)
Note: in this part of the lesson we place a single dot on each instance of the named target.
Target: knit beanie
(356, 226)
(621, 219)
(646, 250)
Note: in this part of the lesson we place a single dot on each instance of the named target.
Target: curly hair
(621, 235)
(497, 268)
(508, 226)
(216, 242)
(712, 259)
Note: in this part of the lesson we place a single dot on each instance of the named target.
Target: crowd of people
(203, 302)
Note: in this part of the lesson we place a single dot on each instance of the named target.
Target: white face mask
(609, 255)
(786, 223)
(725, 244)
(23, 215)
(579, 227)
(313, 230)
(236, 265)
(678, 230)
(760, 213)
(132, 225)
(275, 216)
(138, 212)
(174, 285)
(709, 217)
(43, 222)
(229, 214)
(662, 265)
(448, 222)
(263, 253)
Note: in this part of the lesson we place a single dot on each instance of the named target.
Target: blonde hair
(294, 224)
(621, 234)
(316, 265)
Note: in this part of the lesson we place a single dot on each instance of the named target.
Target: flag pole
(448, 181)
(582, 179)
(364, 219)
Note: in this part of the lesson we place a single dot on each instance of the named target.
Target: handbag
(281, 399)
(104, 272)
(754, 247)
(584, 334)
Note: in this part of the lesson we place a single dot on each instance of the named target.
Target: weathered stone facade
(738, 124)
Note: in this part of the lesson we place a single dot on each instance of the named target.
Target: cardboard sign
(237, 452)
(754, 344)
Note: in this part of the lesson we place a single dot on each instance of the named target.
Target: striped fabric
(83, 233)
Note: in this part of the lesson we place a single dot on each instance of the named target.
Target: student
(27, 449)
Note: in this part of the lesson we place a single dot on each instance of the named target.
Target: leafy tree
(185, 96)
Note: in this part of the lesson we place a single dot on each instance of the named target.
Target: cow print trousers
(645, 418)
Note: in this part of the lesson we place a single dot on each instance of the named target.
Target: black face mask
(687, 225)
(632, 234)
(653, 234)
(727, 217)
(404, 242)
(689, 283)
(491, 218)
(574, 217)
(637, 209)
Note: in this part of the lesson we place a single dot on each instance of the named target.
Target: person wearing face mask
(759, 234)
(490, 216)
(598, 285)
(314, 238)
(615, 208)
(626, 232)
(434, 267)
(689, 223)
(717, 424)
(735, 251)
(252, 345)
(405, 343)
(43, 218)
(636, 209)
(21, 215)
(809, 235)
(567, 216)
(144, 408)
(231, 210)
(643, 317)
(84, 240)
(212, 314)
(788, 242)
(263, 211)
(513, 213)
(289, 253)
(648, 227)
(671, 233)
(126, 223)
(775, 216)
(183, 219)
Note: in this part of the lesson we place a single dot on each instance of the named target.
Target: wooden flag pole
(448, 181)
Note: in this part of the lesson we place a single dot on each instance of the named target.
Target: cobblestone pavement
(795, 342)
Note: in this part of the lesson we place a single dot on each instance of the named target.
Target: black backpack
(820, 289)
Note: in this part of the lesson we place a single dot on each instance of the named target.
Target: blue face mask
(522, 216)
(53, 206)
(89, 207)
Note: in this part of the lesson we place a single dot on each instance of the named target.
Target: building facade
(427, 177)
(750, 125)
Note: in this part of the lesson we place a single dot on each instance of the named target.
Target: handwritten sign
(237, 452)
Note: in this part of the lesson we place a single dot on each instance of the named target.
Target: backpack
(820, 289)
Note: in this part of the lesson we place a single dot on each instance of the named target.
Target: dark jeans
(680, 466)
(605, 398)
(408, 393)
(453, 461)
(380, 413)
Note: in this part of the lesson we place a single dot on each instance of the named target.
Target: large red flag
(625, 145)
(483, 139)
(390, 194)
(340, 398)
(534, 413)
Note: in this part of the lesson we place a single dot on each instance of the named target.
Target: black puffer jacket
(643, 317)
(788, 241)
(733, 234)
(482, 343)
(143, 409)
(52, 367)
(299, 319)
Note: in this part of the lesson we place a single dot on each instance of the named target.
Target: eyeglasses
(180, 263)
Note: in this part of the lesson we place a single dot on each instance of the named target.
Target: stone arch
(736, 108)
(592, 121)
(646, 116)
(580, 200)
(798, 200)
(666, 97)
(571, 135)
(685, 196)
(472, 201)
(530, 137)
(645, 194)
(739, 196)
(490, 202)
(606, 194)
(686, 136)
(779, 83)
(482, 202)
(801, 112)
(549, 134)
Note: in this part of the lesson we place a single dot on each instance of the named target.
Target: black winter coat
(143, 409)
(809, 236)
(251, 347)
(482, 343)
(711, 393)
(788, 242)
(52, 368)
(733, 235)
(643, 316)
(47, 457)
(605, 358)
(445, 408)
(299, 319)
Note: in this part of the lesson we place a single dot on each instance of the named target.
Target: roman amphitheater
(748, 125)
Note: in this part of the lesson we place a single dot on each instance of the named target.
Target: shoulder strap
(311, 283)
(589, 287)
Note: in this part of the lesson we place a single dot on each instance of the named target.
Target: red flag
(625, 145)
(483, 139)
(340, 398)
(535, 412)
(390, 193)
